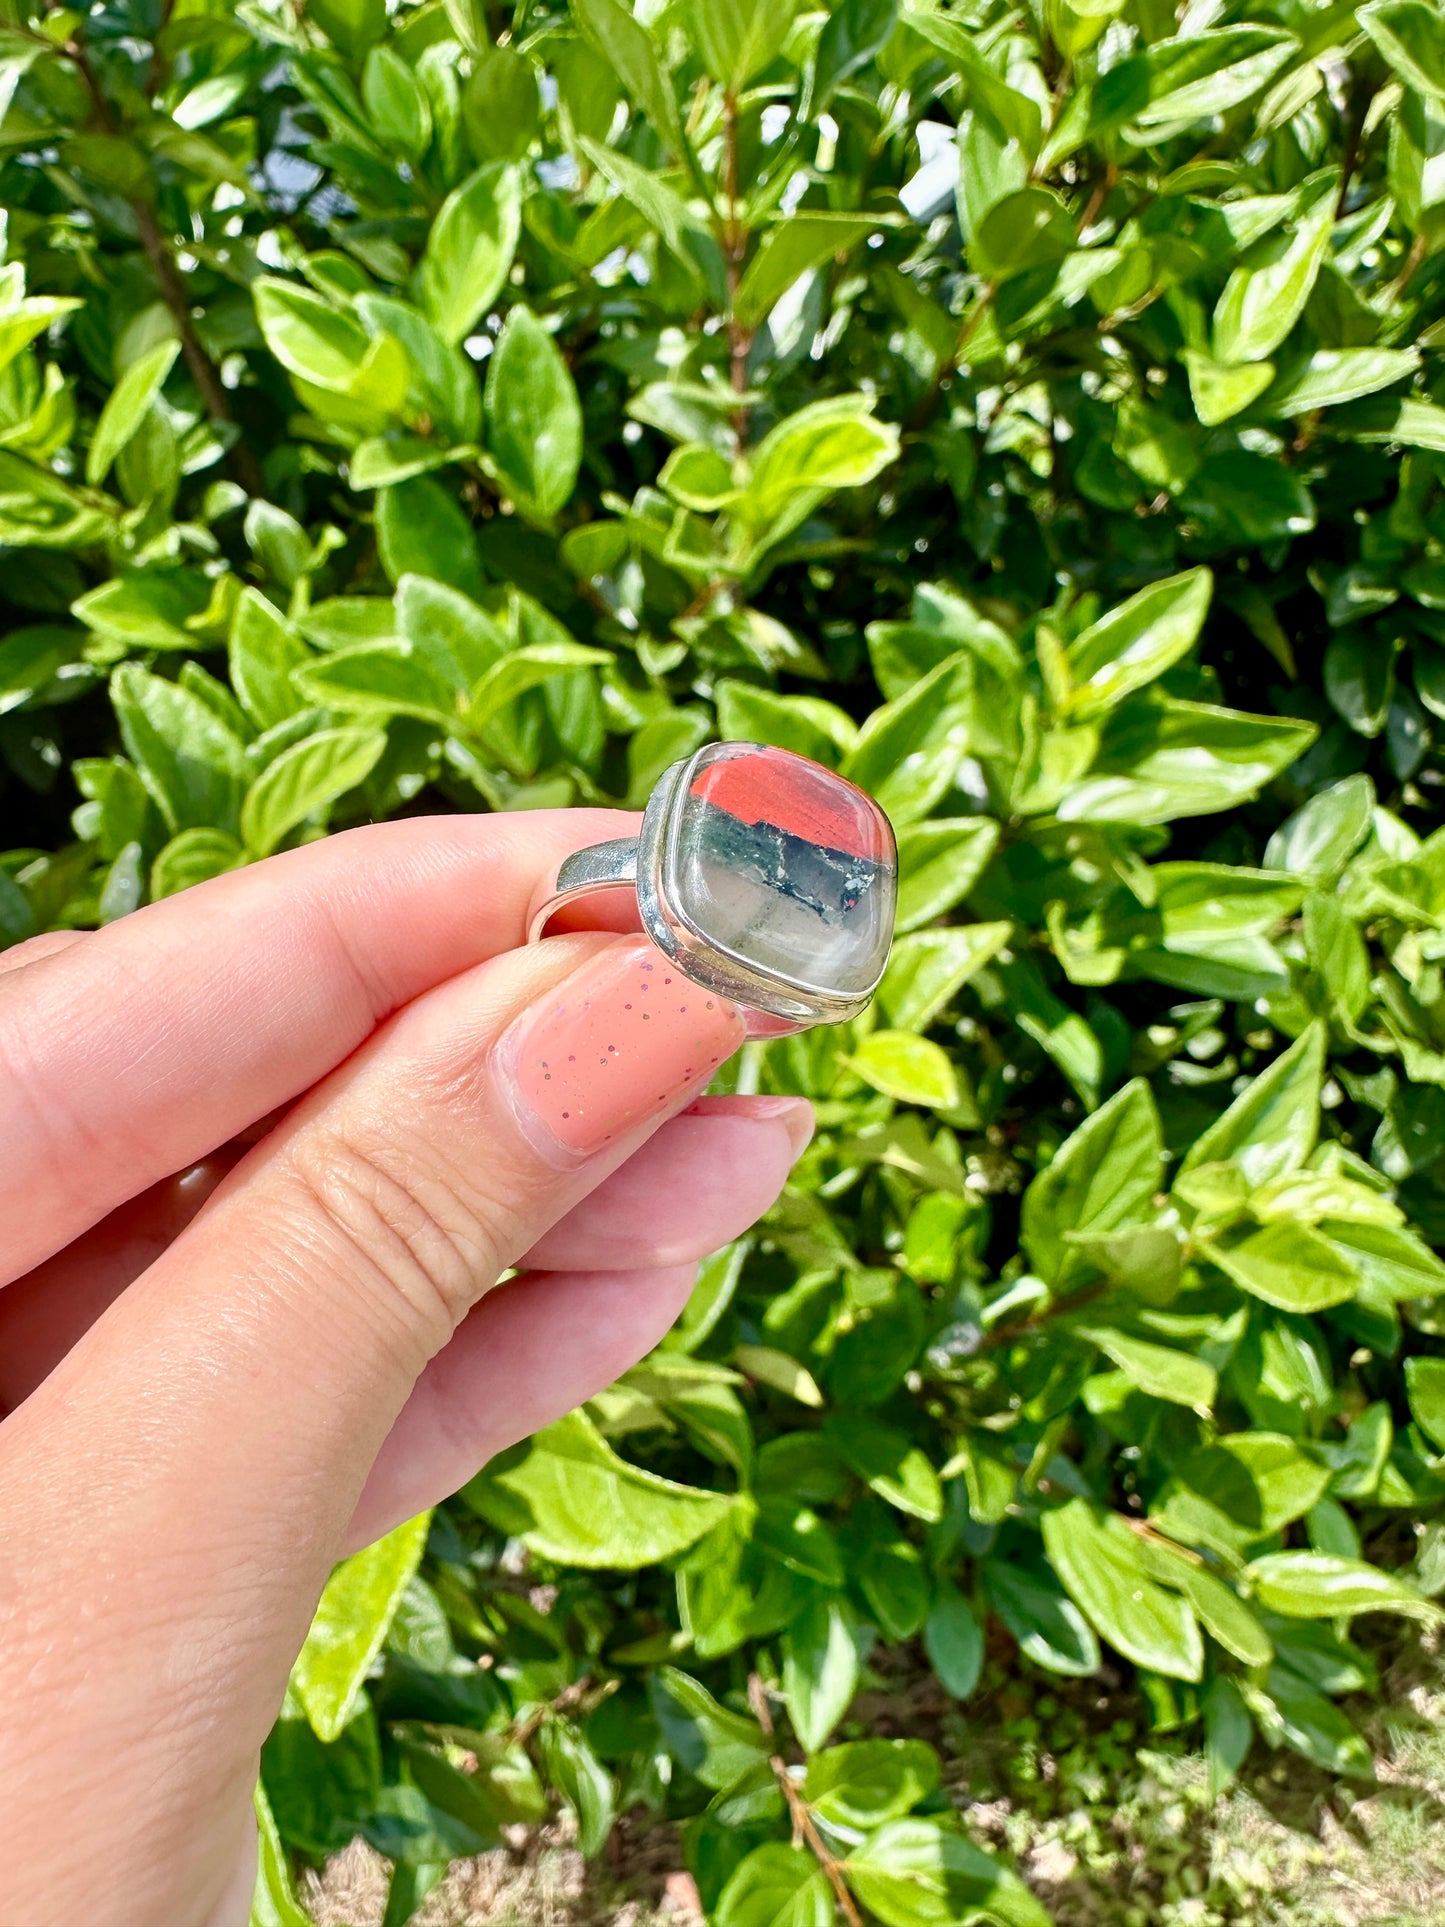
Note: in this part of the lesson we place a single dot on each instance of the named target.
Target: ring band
(761, 876)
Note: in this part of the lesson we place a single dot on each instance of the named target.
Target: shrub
(1032, 415)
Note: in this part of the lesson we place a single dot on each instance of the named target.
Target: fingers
(205, 1443)
(538, 1347)
(35, 948)
(690, 1190)
(44, 1313)
(131, 1053)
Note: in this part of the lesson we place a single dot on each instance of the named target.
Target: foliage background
(1031, 412)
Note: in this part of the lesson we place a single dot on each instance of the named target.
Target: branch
(734, 244)
(804, 1827)
(173, 292)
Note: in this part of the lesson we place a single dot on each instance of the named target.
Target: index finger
(130, 1055)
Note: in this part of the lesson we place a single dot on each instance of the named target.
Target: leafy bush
(1032, 415)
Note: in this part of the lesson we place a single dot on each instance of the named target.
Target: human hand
(228, 1362)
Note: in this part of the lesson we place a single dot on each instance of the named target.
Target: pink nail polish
(623, 1039)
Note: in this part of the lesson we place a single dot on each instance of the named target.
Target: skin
(260, 1171)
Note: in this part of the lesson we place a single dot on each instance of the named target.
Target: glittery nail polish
(624, 1039)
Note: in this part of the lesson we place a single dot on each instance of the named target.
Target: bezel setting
(706, 958)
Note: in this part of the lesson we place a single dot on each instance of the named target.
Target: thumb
(206, 1441)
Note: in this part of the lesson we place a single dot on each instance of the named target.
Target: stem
(203, 370)
(951, 360)
(1403, 279)
(734, 246)
(1097, 198)
(804, 1827)
(1021, 1327)
(173, 292)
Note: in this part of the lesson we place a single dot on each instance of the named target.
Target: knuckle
(402, 1221)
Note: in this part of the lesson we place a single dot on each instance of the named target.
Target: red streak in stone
(774, 786)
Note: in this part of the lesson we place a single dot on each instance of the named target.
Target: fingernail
(795, 1114)
(620, 1041)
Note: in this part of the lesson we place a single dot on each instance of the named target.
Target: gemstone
(781, 863)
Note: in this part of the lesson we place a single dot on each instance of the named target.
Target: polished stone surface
(787, 865)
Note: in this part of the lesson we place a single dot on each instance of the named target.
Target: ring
(761, 875)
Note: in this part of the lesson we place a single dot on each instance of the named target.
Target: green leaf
(1289, 1713)
(953, 1642)
(715, 1744)
(311, 339)
(776, 1886)
(804, 724)
(891, 1465)
(1318, 840)
(263, 653)
(853, 33)
(379, 679)
(1220, 389)
(629, 49)
(1334, 375)
(1320, 1585)
(193, 766)
(533, 417)
(656, 200)
(469, 251)
(583, 1781)
(1411, 36)
(422, 530)
(21, 324)
(194, 856)
(908, 1068)
(782, 1372)
(908, 752)
(828, 445)
(1046, 1623)
(928, 969)
(1158, 1370)
(938, 864)
(1105, 1176)
(1193, 75)
(1228, 1734)
(458, 641)
(274, 1902)
(1253, 1484)
(1161, 759)
(570, 1497)
(738, 38)
(805, 240)
(396, 104)
(1425, 1384)
(305, 780)
(526, 668)
(820, 1669)
(1270, 1128)
(351, 1622)
(870, 1782)
(920, 1873)
(1220, 1609)
(1288, 1265)
(1099, 1561)
(125, 406)
(1262, 301)
(1136, 642)
(1027, 229)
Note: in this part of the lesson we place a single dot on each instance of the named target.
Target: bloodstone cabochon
(788, 865)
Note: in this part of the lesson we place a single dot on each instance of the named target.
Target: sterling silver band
(641, 865)
(601, 866)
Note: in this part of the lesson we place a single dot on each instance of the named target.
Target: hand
(219, 1382)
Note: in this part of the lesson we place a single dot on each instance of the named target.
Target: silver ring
(761, 875)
